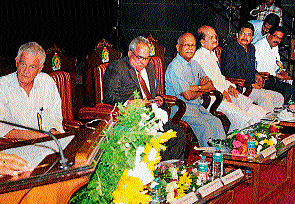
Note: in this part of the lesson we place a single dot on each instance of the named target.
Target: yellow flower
(256, 143)
(270, 143)
(185, 179)
(130, 190)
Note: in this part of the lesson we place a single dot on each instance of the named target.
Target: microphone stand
(64, 163)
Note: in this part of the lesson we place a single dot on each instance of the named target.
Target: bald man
(240, 116)
(186, 80)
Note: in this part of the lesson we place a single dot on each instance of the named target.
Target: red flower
(189, 169)
(273, 129)
(241, 138)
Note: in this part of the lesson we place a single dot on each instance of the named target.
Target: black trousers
(175, 146)
(275, 84)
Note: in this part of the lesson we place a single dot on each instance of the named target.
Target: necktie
(144, 87)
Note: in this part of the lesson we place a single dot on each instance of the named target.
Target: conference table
(49, 184)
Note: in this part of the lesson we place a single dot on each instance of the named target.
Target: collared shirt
(180, 75)
(266, 57)
(210, 64)
(272, 9)
(237, 63)
(257, 30)
(17, 107)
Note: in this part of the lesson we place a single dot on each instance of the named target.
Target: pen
(39, 118)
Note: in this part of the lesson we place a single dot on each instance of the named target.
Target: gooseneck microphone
(64, 163)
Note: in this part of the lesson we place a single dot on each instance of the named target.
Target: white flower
(145, 117)
(160, 114)
(194, 189)
(260, 135)
(127, 145)
(152, 154)
(183, 171)
(119, 142)
(259, 148)
(173, 173)
(142, 172)
(261, 142)
(171, 186)
(199, 181)
(141, 124)
(170, 197)
(274, 140)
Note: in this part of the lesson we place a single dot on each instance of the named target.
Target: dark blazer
(237, 63)
(120, 81)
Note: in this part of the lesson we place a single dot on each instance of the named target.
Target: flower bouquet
(130, 155)
(177, 179)
(265, 135)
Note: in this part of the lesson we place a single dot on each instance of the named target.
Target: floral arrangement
(266, 135)
(179, 180)
(130, 156)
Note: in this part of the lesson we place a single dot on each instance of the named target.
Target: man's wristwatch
(199, 87)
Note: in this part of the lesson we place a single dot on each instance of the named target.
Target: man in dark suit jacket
(122, 78)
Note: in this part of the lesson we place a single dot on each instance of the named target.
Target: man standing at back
(186, 80)
(232, 106)
(261, 28)
(238, 61)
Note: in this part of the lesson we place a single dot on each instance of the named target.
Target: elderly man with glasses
(135, 73)
(186, 80)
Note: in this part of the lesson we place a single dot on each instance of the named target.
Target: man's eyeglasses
(246, 34)
(188, 45)
(141, 58)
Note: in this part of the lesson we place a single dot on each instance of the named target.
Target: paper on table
(34, 154)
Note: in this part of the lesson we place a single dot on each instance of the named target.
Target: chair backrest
(63, 83)
(57, 60)
(157, 49)
(98, 73)
(104, 53)
(159, 74)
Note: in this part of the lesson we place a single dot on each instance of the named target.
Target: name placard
(288, 140)
(232, 177)
(210, 187)
(268, 152)
(187, 199)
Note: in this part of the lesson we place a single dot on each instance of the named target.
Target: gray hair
(138, 40)
(34, 49)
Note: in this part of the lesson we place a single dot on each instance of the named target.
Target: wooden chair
(104, 53)
(58, 60)
(102, 110)
(63, 83)
(157, 49)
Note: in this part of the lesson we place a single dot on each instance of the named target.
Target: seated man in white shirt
(239, 113)
(268, 60)
(29, 97)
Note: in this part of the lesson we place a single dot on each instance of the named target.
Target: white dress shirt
(17, 107)
(266, 57)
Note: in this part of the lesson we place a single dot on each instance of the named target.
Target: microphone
(64, 163)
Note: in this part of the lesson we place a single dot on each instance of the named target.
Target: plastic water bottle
(217, 169)
(156, 189)
(251, 152)
(203, 169)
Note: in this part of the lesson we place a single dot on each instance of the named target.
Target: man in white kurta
(208, 60)
(29, 97)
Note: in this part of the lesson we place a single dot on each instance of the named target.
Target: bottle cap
(203, 157)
